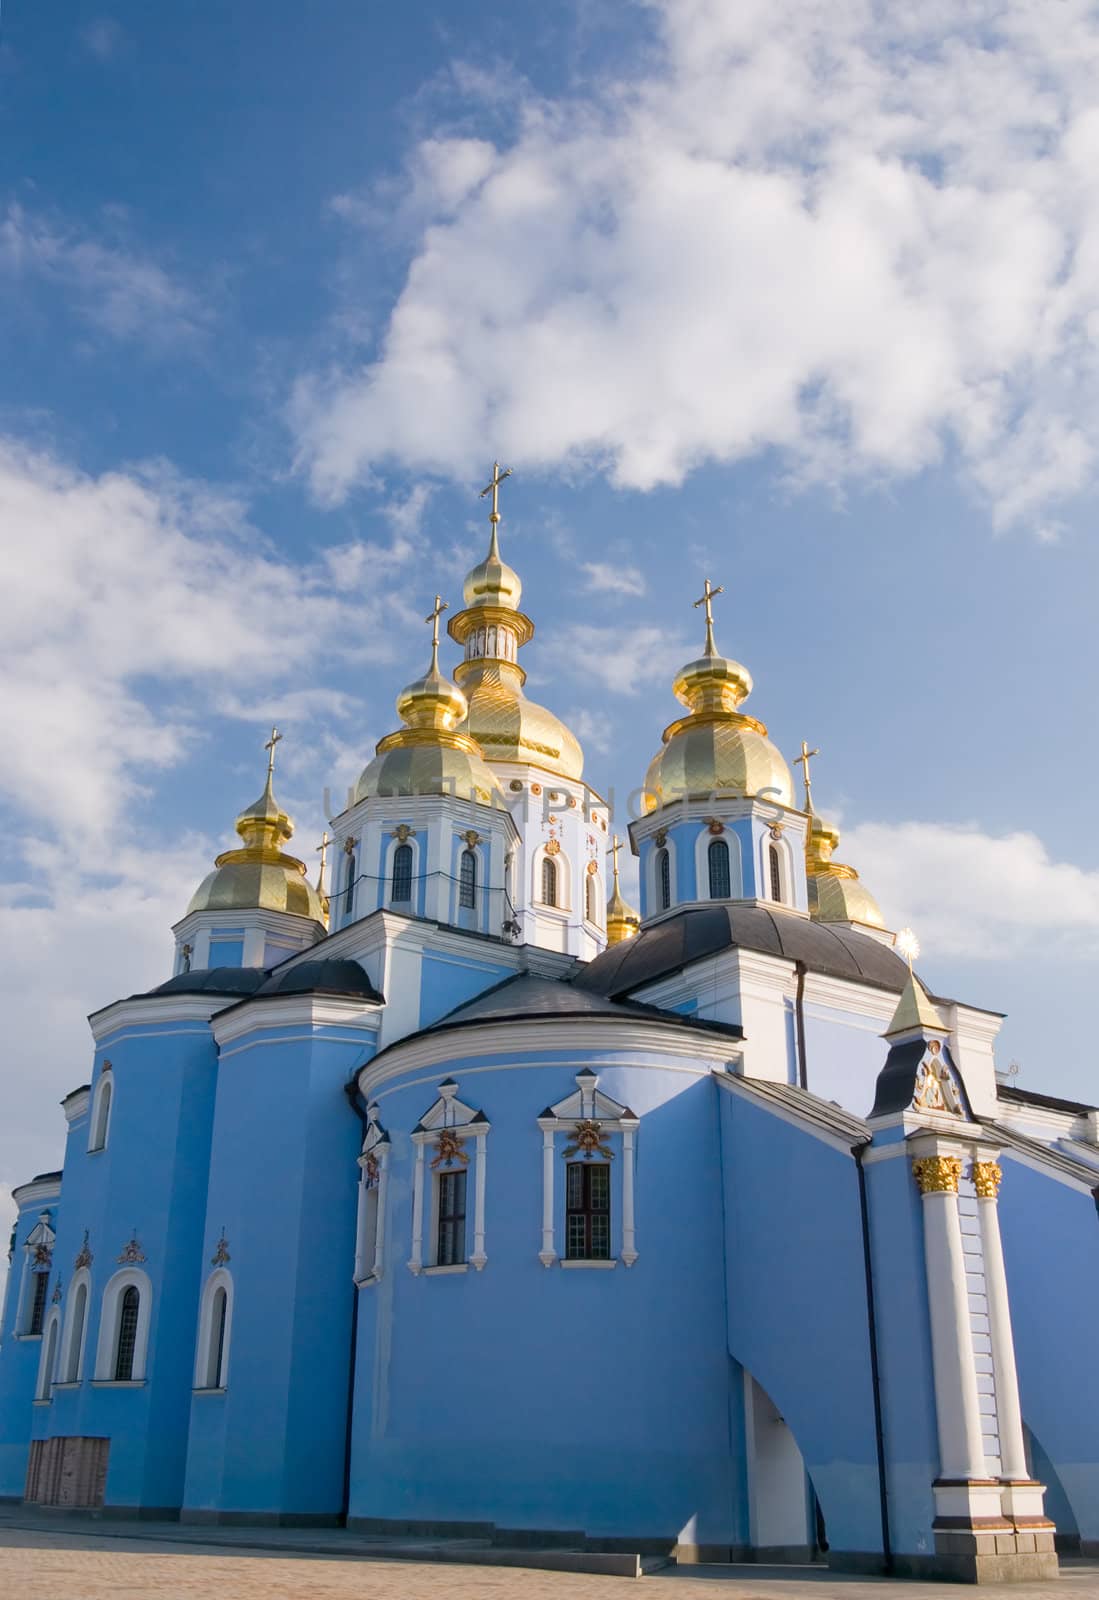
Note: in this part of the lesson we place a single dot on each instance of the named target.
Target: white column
(478, 1258)
(360, 1223)
(986, 1178)
(382, 1152)
(957, 1406)
(547, 1255)
(416, 1260)
(629, 1248)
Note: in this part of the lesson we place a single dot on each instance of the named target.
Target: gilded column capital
(986, 1179)
(937, 1174)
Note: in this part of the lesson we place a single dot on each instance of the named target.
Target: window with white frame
(100, 1121)
(124, 1328)
(40, 1281)
(664, 878)
(76, 1329)
(373, 1182)
(467, 880)
(400, 882)
(598, 1153)
(549, 881)
(450, 1142)
(214, 1327)
(774, 869)
(720, 876)
(35, 1280)
(47, 1366)
(593, 899)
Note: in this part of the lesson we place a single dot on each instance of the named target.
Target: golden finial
(433, 616)
(493, 489)
(803, 761)
(275, 739)
(907, 945)
(706, 599)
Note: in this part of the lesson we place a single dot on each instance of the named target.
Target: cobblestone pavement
(37, 1565)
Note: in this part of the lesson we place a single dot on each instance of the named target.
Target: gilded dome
(492, 582)
(429, 755)
(623, 921)
(716, 749)
(260, 876)
(835, 892)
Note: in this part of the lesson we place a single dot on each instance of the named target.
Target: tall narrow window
(78, 1312)
(217, 1340)
(593, 900)
(467, 880)
(127, 1335)
(401, 887)
(452, 1219)
(549, 881)
(664, 878)
(720, 886)
(49, 1359)
(775, 861)
(38, 1304)
(349, 884)
(101, 1114)
(587, 1211)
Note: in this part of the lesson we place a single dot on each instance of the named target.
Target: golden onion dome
(492, 630)
(259, 875)
(835, 892)
(716, 748)
(429, 755)
(623, 922)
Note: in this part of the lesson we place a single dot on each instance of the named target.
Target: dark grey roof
(703, 931)
(1028, 1097)
(211, 980)
(330, 976)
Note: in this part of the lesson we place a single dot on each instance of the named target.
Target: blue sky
(788, 295)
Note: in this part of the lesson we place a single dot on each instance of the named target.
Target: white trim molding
(50, 1352)
(590, 1115)
(99, 1128)
(110, 1315)
(210, 1371)
(78, 1301)
(373, 1188)
(447, 1127)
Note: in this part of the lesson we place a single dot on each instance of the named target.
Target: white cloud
(605, 577)
(114, 287)
(623, 660)
(594, 729)
(972, 895)
(863, 235)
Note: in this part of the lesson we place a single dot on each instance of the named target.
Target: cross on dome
(803, 761)
(493, 489)
(433, 616)
(706, 599)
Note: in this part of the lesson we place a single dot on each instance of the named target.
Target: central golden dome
(717, 748)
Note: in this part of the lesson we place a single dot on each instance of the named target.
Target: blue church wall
(226, 951)
(843, 1056)
(797, 1304)
(447, 984)
(21, 1354)
(1051, 1255)
(147, 1183)
(478, 1393)
(282, 1186)
(904, 1348)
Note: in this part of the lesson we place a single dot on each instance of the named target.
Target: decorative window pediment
(588, 1104)
(40, 1241)
(589, 1121)
(450, 1141)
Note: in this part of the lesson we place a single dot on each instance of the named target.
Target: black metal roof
(329, 976)
(693, 934)
(1028, 1097)
(212, 980)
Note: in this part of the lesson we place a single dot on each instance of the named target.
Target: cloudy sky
(804, 297)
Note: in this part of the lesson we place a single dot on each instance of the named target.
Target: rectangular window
(38, 1304)
(588, 1211)
(452, 1219)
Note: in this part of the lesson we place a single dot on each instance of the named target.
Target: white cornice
(296, 1010)
(247, 916)
(538, 1035)
(155, 1009)
(37, 1190)
(75, 1104)
(382, 809)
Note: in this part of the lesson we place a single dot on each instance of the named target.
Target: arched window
(124, 1327)
(401, 883)
(592, 893)
(40, 1282)
(549, 881)
(720, 885)
(775, 862)
(127, 1334)
(101, 1112)
(349, 882)
(467, 880)
(664, 878)
(74, 1339)
(48, 1364)
(214, 1325)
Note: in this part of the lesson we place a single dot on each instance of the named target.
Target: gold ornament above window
(451, 1148)
(553, 847)
(588, 1140)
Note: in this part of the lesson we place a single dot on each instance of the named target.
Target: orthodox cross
(493, 489)
(276, 738)
(322, 851)
(433, 617)
(616, 845)
(706, 599)
(803, 761)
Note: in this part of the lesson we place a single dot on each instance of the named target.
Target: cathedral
(451, 1193)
